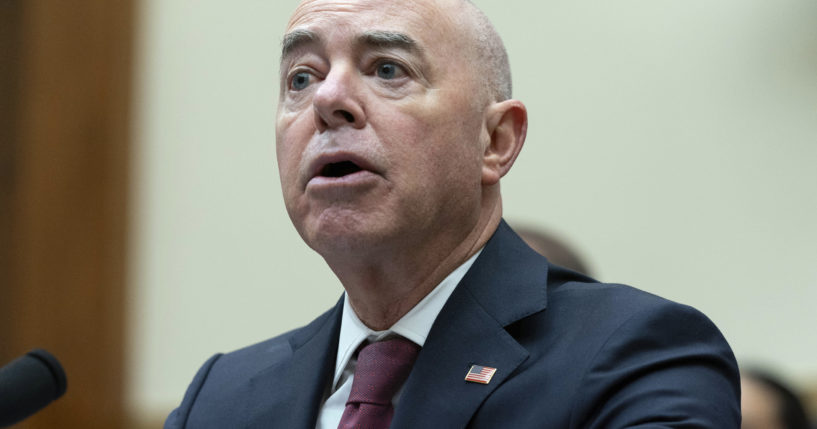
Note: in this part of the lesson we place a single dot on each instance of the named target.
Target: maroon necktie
(382, 367)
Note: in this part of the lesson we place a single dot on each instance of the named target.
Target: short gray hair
(491, 55)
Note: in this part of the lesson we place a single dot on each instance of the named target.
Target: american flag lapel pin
(480, 374)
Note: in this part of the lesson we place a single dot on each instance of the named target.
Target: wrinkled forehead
(429, 20)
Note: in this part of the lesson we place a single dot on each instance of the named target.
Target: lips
(339, 169)
(335, 167)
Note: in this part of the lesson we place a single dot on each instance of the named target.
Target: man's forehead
(404, 25)
(367, 11)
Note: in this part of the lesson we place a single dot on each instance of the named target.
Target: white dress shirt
(413, 326)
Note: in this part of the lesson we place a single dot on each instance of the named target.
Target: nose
(337, 102)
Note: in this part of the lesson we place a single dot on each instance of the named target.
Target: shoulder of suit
(276, 349)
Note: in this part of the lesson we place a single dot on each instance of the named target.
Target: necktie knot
(382, 367)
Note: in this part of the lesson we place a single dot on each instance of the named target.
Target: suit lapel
(290, 396)
(436, 393)
(505, 284)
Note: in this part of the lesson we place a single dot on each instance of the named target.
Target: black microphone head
(28, 384)
(53, 365)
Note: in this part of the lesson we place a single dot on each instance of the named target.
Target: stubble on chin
(339, 232)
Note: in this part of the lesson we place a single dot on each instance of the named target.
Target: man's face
(380, 131)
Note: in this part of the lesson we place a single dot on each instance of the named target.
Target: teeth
(339, 169)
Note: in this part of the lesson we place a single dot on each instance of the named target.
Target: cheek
(291, 137)
(283, 153)
(441, 117)
(456, 145)
(437, 156)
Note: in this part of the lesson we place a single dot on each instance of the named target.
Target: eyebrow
(296, 39)
(390, 39)
(377, 39)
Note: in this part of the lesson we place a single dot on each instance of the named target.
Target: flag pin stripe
(480, 374)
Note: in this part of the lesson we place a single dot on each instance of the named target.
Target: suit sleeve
(178, 417)
(667, 366)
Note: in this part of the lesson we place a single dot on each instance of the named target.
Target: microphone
(28, 384)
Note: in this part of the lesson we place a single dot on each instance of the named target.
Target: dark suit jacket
(570, 353)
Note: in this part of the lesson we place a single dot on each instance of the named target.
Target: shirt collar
(414, 325)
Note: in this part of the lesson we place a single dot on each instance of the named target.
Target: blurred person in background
(554, 249)
(768, 403)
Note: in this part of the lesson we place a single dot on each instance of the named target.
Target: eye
(389, 70)
(300, 81)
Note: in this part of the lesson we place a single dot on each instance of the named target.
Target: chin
(352, 235)
(342, 246)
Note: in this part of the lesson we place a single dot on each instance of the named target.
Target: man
(395, 125)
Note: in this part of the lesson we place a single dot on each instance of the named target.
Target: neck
(383, 287)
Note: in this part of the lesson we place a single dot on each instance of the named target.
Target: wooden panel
(63, 284)
(9, 71)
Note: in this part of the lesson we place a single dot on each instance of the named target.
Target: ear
(507, 125)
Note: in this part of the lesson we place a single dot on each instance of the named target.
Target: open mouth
(339, 169)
